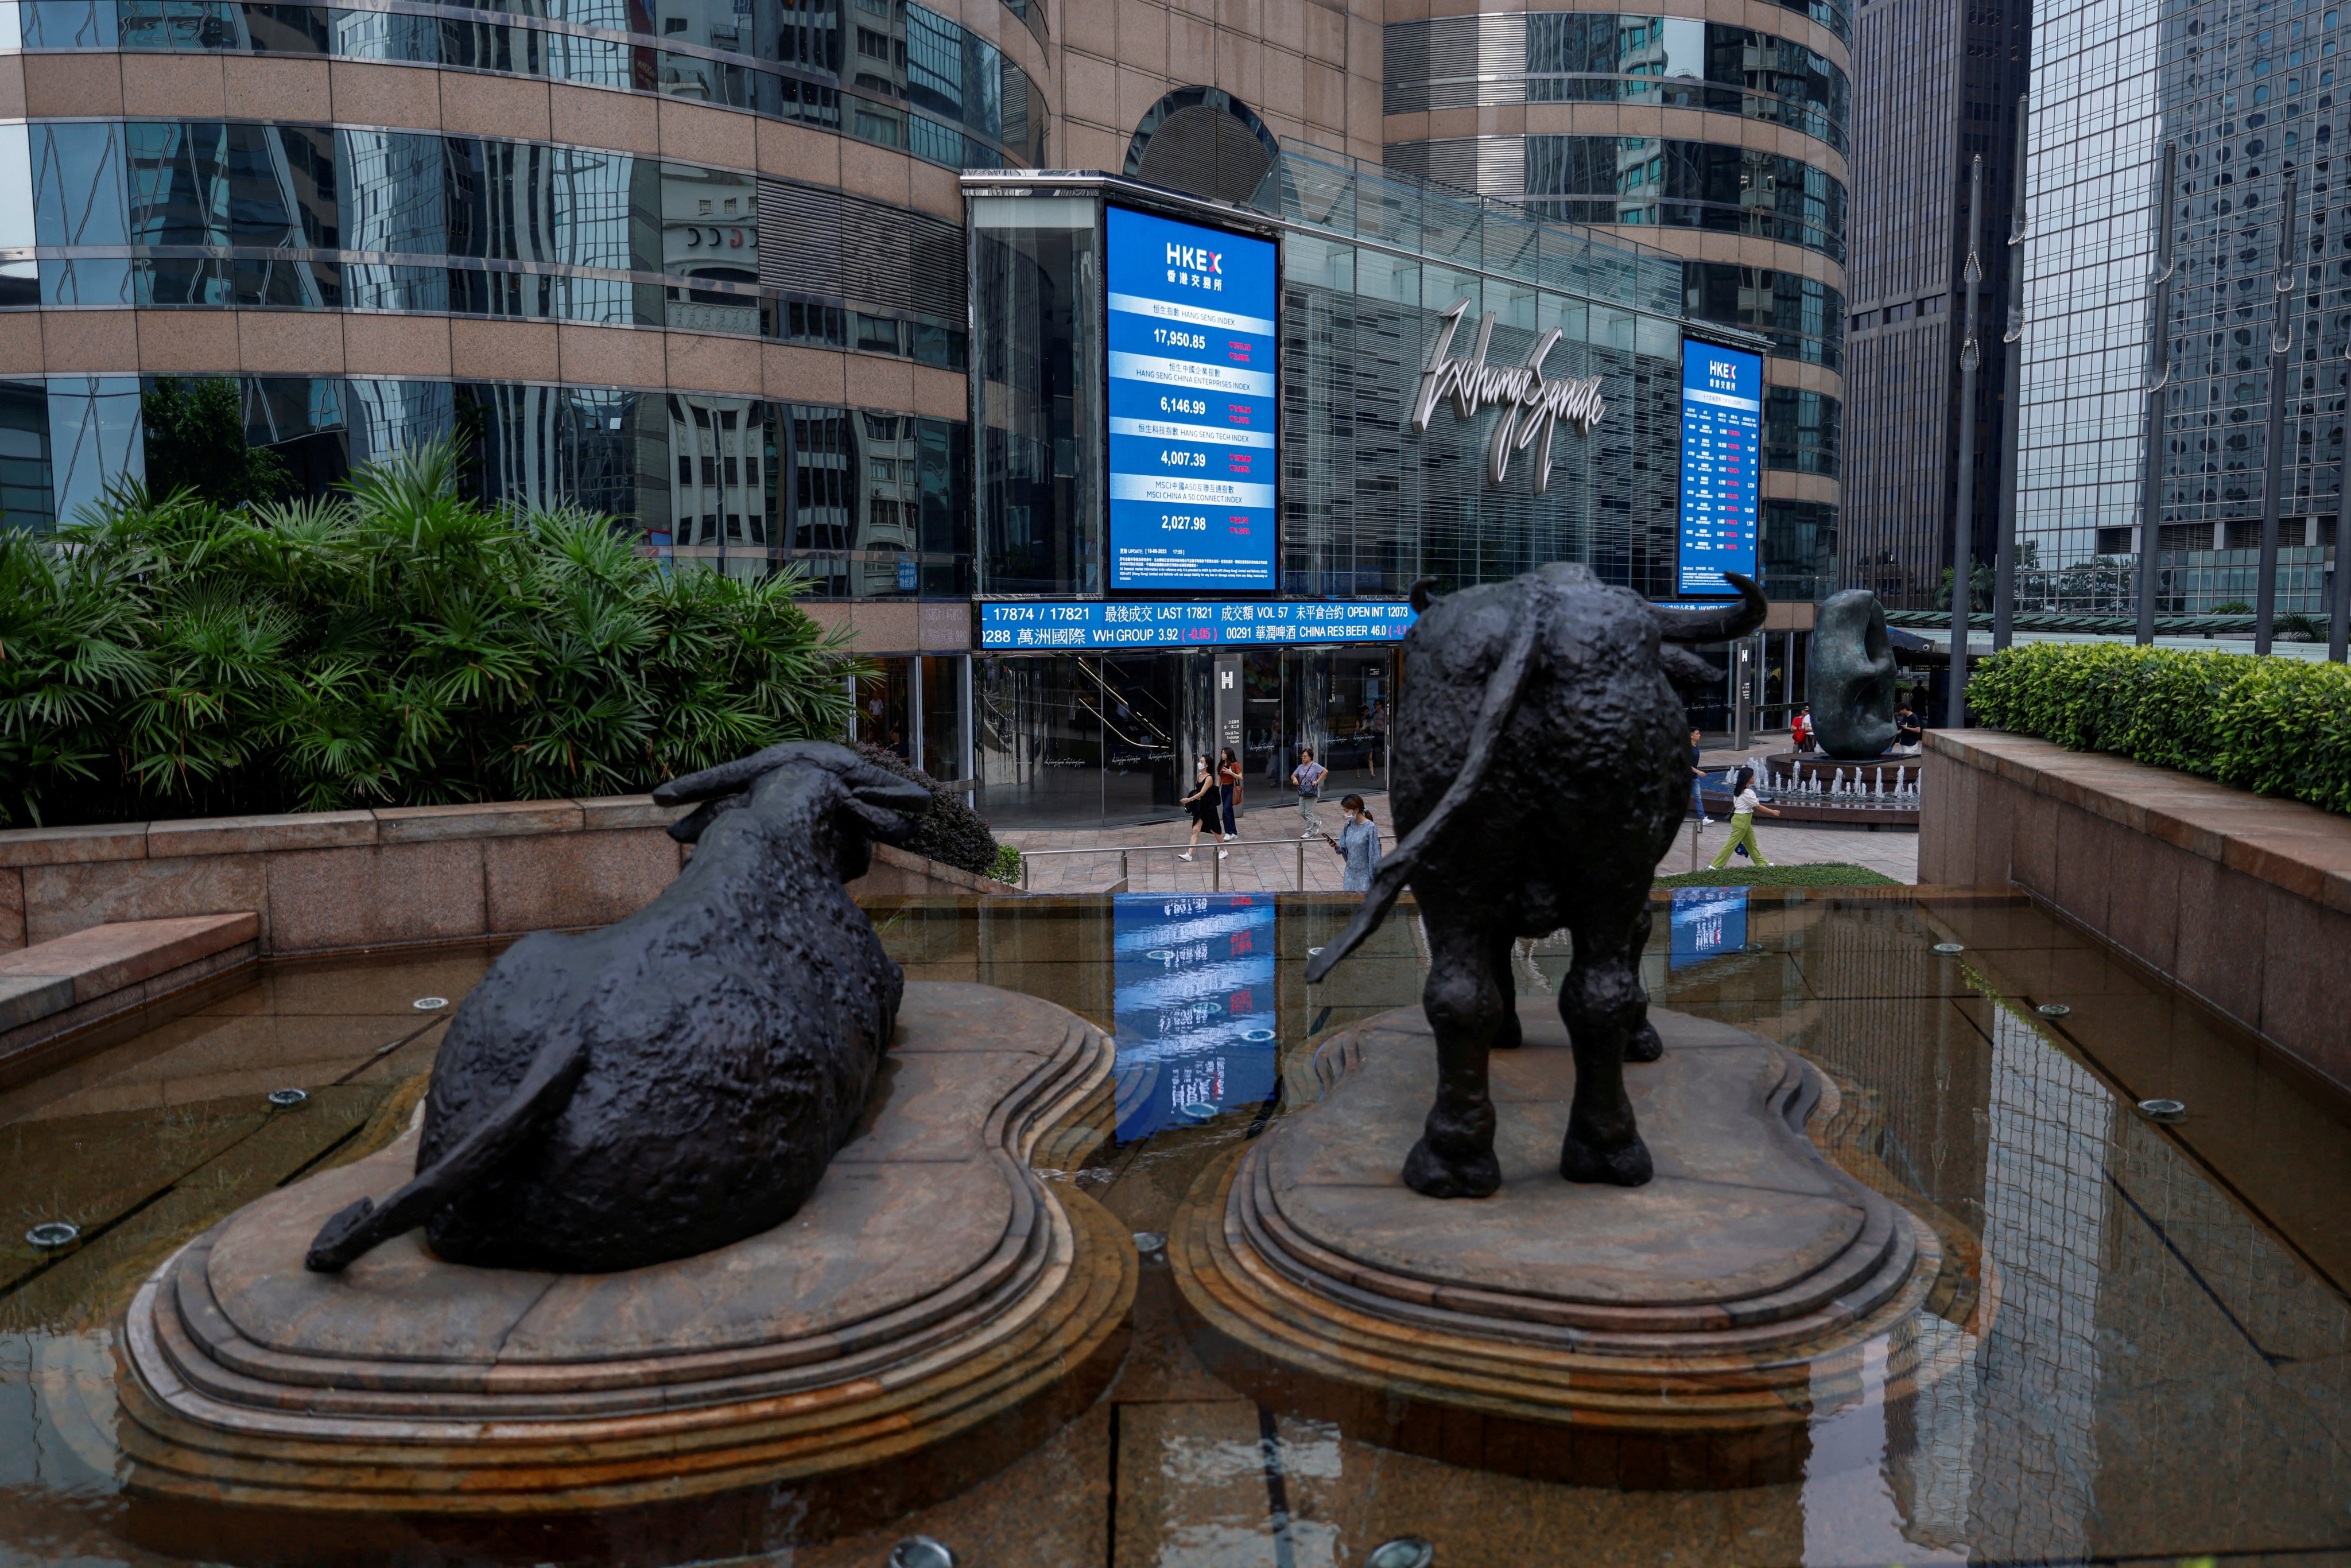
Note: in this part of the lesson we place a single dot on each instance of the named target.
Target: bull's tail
(1504, 687)
(545, 1089)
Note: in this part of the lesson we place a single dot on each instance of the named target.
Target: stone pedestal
(1672, 1335)
(934, 1309)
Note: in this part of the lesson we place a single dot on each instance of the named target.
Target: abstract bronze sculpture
(1541, 772)
(1851, 683)
(679, 1080)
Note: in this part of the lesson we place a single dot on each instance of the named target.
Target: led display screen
(1722, 458)
(1192, 388)
(1196, 623)
(1193, 1001)
(1707, 922)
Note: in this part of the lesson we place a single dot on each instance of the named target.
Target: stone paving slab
(1267, 860)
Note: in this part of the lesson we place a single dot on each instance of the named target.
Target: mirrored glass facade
(1577, 57)
(885, 71)
(181, 213)
(2246, 93)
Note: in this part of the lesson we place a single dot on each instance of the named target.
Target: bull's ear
(883, 806)
(1420, 595)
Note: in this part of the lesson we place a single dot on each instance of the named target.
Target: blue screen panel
(1722, 459)
(1192, 389)
(1707, 923)
(1195, 623)
(1193, 999)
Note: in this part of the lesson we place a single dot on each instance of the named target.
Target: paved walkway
(1268, 858)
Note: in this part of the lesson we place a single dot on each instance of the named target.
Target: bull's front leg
(1465, 998)
(1605, 1010)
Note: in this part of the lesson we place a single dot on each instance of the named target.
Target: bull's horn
(1716, 625)
(1420, 596)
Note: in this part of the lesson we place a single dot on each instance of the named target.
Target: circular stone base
(1675, 1335)
(933, 1311)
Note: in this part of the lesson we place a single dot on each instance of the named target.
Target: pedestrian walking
(1228, 790)
(1206, 807)
(1910, 731)
(1358, 844)
(1308, 777)
(1744, 804)
(1803, 726)
(1698, 781)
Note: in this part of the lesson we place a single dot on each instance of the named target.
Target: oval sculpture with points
(1851, 683)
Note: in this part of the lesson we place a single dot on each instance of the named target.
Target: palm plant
(392, 644)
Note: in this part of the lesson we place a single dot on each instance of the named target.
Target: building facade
(1721, 135)
(1935, 88)
(710, 269)
(2246, 95)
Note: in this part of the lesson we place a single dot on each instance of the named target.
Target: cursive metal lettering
(1532, 407)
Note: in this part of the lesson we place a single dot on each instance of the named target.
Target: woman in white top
(1743, 806)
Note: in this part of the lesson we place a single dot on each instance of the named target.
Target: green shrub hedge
(392, 645)
(2276, 726)
(947, 830)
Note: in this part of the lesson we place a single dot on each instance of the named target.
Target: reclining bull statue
(1541, 769)
(679, 1079)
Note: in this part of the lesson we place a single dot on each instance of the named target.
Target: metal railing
(1217, 866)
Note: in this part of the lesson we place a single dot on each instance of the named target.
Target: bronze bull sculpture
(1541, 770)
(679, 1080)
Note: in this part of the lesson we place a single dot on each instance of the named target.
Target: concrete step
(55, 986)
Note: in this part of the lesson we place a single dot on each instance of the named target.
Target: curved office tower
(1719, 133)
(766, 281)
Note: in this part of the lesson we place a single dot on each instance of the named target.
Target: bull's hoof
(1644, 1045)
(1433, 1175)
(1626, 1166)
(1507, 1036)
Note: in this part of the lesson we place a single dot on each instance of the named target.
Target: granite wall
(2242, 900)
(328, 881)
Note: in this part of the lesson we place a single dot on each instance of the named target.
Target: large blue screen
(1191, 623)
(1192, 382)
(1722, 457)
(1193, 1005)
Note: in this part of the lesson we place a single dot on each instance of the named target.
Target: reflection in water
(1707, 921)
(2145, 1354)
(1193, 1005)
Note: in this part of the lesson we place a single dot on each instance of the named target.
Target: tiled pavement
(1269, 857)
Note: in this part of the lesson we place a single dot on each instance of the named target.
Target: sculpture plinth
(1671, 1335)
(933, 1310)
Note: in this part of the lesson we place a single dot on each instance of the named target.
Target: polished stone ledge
(322, 882)
(2242, 900)
(202, 836)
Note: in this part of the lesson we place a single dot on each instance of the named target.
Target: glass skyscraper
(2246, 93)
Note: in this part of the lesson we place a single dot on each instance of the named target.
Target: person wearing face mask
(1358, 844)
(1204, 806)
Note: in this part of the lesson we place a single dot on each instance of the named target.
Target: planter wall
(2242, 900)
(329, 881)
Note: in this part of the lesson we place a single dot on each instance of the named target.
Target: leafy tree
(1980, 587)
(195, 441)
(392, 645)
(2231, 607)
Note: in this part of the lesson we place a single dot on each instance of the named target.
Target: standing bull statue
(1541, 772)
(680, 1079)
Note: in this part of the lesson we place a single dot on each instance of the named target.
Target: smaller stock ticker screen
(1192, 387)
(1722, 458)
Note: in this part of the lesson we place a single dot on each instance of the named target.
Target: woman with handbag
(1204, 808)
